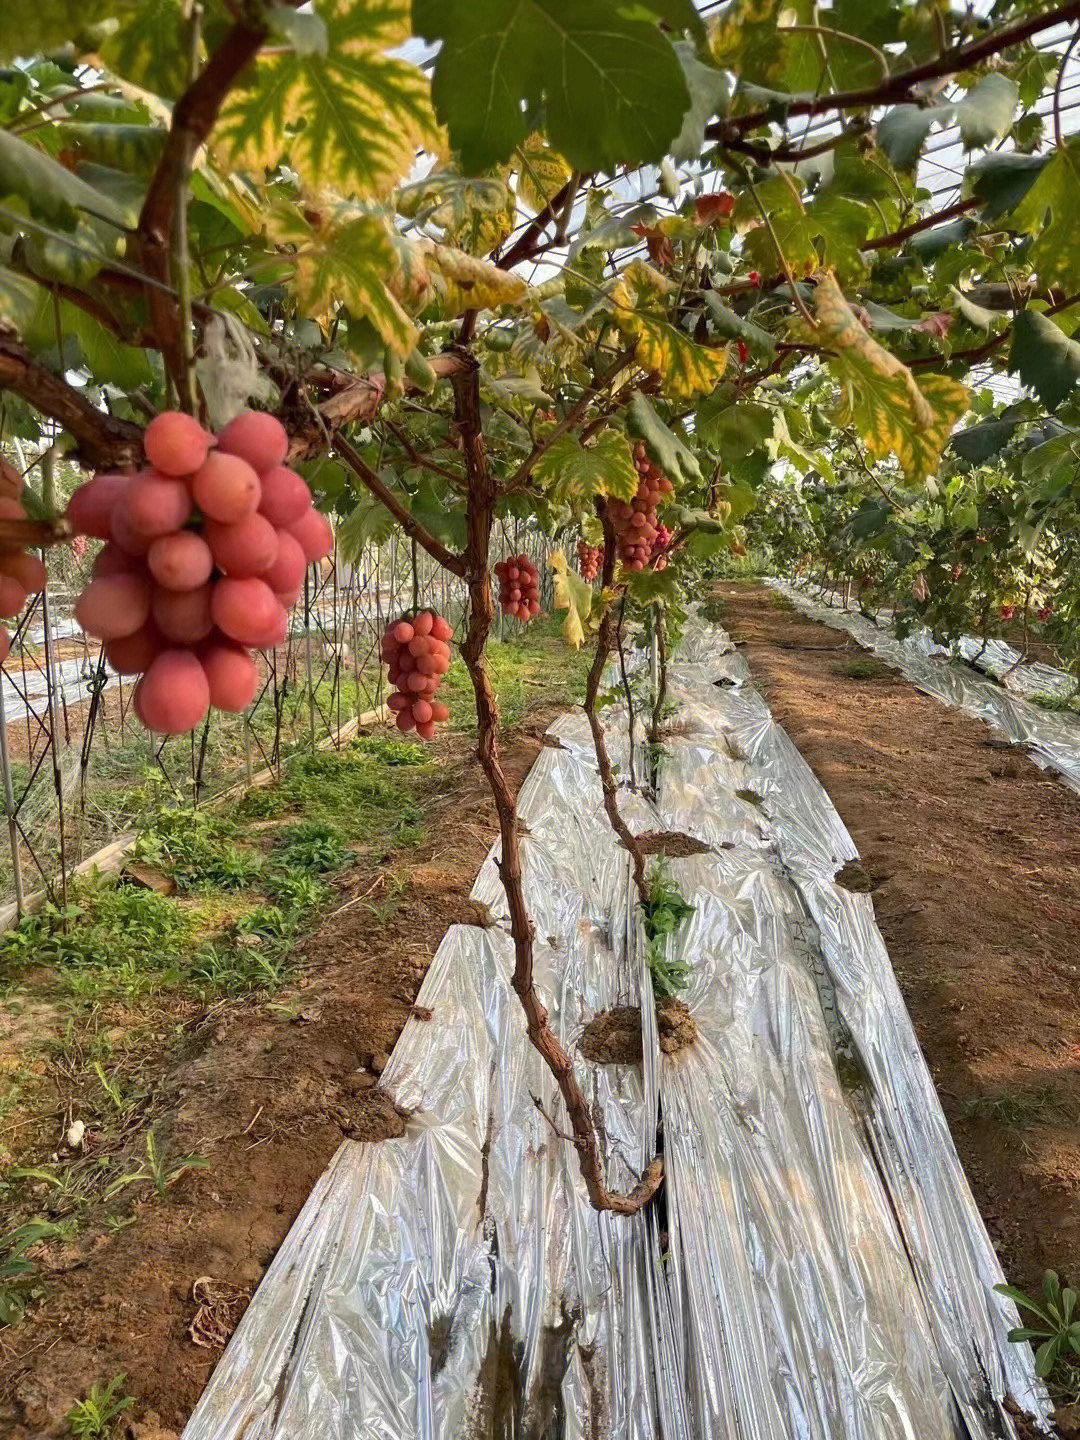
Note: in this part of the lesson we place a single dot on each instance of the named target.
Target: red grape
(257, 438)
(286, 574)
(285, 496)
(181, 561)
(114, 605)
(247, 548)
(132, 654)
(313, 532)
(174, 694)
(246, 610)
(182, 616)
(27, 569)
(90, 508)
(231, 673)
(175, 443)
(226, 488)
(12, 595)
(154, 505)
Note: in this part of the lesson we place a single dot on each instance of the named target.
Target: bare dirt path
(975, 857)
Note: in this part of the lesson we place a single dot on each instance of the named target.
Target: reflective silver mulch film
(1052, 738)
(815, 1269)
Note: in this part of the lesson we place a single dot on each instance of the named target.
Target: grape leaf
(347, 260)
(573, 595)
(666, 448)
(587, 62)
(1044, 357)
(575, 474)
(734, 428)
(733, 327)
(463, 282)
(48, 188)
(349, 120)
(709, 95)
(1052, 209)
(880, 396)
(542, 172)
(686, 367)
(984, 114)
(476, 215)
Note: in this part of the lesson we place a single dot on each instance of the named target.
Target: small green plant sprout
(1060, 1332)
(662, 915)
(312, 847)
(158, 1168)
(95, 1417)
(16, 1270)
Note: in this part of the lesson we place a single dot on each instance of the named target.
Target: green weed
(313, 847)
(1058, 1335)
(95, 1417)
(662, 915)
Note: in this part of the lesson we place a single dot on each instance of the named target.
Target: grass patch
(1013, 1108)
(530, 668)
(862, 669)
(1046, 700)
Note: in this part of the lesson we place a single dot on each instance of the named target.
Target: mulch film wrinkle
(817, 1269)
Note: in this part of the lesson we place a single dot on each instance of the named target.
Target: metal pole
(9, 806)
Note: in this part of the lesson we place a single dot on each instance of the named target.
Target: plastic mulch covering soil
(815, 1266)
(1051, 738)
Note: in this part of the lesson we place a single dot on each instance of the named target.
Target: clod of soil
(613, 1037)
(750, 796)
(853, 877)
(673, 844)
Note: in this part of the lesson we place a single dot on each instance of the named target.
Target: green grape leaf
(984, 114)
(734, 428)
(575, 474)
(686, 368)
(789, 236)
(879, 395)
(730, 326)
(1051, 208)
(1044, 357)
(587, 62)
(349, 120)
(579, 600)
(49, 189)
(145, 44)
(1002, 180)
(665, 447)
(710, 94)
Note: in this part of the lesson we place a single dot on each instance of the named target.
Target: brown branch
(480, 518)
(193, 118)
(605, 641)
(33, 534)
(897, 237)
(408, 522)
(423, 462)
(104, 442)
(900, 87)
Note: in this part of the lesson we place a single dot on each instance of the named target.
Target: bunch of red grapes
(206, 553)
(661, 541)
(590, 560)
(21, 574)
(417, 650)
(519, 587)
(636, 526)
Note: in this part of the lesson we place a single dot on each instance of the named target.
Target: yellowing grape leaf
(542, 172)
(686, 367)
(573, 595)
(879, 395)
(349, 120)
(347, 259)
(464, 283)
(474, 214)
(575, 474)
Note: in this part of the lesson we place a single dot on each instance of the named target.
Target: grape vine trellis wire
(78, 772)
